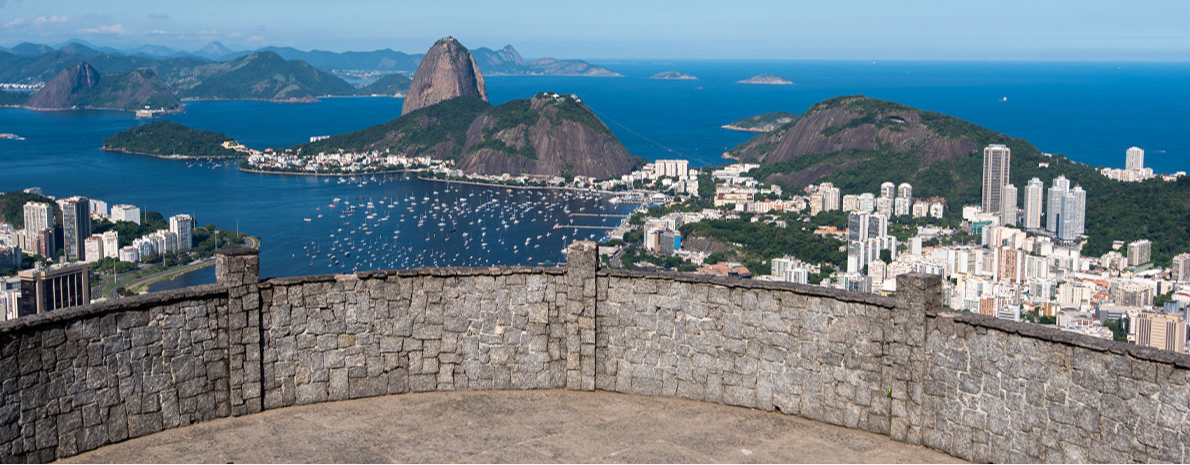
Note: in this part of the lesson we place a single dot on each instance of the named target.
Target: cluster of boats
(457, 225)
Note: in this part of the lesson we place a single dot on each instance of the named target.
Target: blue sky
(821, 29)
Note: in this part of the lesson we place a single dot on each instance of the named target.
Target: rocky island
(768, 79)
(172, 140)
(762, 123)
(674, 75)
(446, 116)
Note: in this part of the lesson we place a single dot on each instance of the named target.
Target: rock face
(60, 91)
(446, 71)
(81, 86)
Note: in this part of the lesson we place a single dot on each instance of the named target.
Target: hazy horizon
(759, 30)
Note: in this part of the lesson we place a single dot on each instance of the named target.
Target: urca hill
(448, 117)
(858, 142)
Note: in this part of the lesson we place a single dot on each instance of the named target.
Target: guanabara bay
(567, 232)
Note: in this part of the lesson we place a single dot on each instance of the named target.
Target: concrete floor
(513, 426)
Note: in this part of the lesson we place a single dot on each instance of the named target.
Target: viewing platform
(513, 427)
(545, 363)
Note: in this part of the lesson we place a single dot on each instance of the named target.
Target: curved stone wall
(971, 386)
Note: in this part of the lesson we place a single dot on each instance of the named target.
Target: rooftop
(513, 426)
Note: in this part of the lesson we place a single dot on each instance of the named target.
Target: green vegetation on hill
(442, 123)
(13, 98)
(12, 207)
(761, 242)
(566, 108)
(447, 123)
(763, 122)
(166, 138)
(122, 91)
(261, 76)
(389, 84)
(1154, 210)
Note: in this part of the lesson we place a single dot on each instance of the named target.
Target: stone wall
(76, 379)
(1015, 392)
(344, 337)
(974, 387)
(802, 350)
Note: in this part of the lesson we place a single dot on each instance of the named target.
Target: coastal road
(111, 294)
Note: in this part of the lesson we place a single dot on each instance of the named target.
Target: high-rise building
(1033, 201)
(905, 191)
(39, 216)
(857, 226)
(76, 226)
(98, 208)
(867, 202)
(1134, 159)
(1163, 331)
(1054, 208)
(1139, 252)
(850, 203)
(996, 160)
(1010, 265)
(1072, 220)
(1008, 205)
(47, 243)
(830, 196)
(790, 270)
(125, 212)
(130, 254)
(93, 248)
(902, 206)
(671, 168)
(888, 190)
(48, 289)
(877, 226)
(111, 244)
(1180, 271)
(1134, 294)
(884, 206)
(183, 226)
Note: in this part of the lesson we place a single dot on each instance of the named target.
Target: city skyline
(865, 30)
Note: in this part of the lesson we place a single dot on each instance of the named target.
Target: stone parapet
(975, 387)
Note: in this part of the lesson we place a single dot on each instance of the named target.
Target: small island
(674, 75)
(767, 79)
(389, 85)
(172, 140)
(762, 123)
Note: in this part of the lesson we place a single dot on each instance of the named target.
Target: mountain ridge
(81, 86)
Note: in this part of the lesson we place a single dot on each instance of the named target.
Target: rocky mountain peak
(58, 92)
(446, 71)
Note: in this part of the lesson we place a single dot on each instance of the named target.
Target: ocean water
(1091, 112)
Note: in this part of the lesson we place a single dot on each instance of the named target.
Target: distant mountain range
(505, 61)
(216, 72)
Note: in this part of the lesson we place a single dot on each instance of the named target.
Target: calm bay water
(1089, 111)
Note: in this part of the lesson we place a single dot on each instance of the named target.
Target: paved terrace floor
(513, 426)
